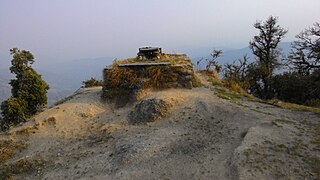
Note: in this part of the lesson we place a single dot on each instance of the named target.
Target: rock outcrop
(148, 110)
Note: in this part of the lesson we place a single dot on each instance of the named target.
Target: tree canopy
(305, 52)
(29, 90)
(265, 47)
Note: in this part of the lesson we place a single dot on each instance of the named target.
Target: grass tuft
(214, 81)
(93, 82)
(8, 148)
(226, 94)
(25, 165)
(291, 106)
(235, 87)
(196, 82)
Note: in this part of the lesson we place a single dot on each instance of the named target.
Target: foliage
(213, 61)
(305, 52)
(13, 111)
(125, 84)
(29, 91)
(214, 81)
(30, 88)
(213, 76)
(24, 165)
(293, 106)
(196, 82)
(301, 86)
(226, 94)
(120, 77)
(265, 47)
(9, 148)
(234, 86)
(229, 88)
(171, 58)
(298, 88)
(198, 64)
(237, 72)
(91, 83)
(254, 77)
(127, 78)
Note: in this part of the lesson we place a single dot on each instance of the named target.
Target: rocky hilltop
(168, 134)
(129, 80)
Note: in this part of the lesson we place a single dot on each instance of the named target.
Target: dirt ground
(201, 137)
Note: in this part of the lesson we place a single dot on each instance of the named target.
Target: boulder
(148, 110)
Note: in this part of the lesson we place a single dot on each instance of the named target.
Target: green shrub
(13, 110)
(214, 81)
(297, 88)
(313, 102)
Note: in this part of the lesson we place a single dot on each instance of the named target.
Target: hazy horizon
(59, 31)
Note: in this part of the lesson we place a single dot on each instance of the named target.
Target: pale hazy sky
(71, 29)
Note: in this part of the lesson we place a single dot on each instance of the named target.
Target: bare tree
(305, 52)
(198, 64)
(237, 70)
(265, 47)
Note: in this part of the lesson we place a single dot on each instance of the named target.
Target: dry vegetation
(230, 90)
(28, 165)
(225, 89)
(92, 82)
(172, 58)
(9, 148)
(134, 80)
(293, 106)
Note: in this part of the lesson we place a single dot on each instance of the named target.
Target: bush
(297, 88)
(13, 110)
(92, 83)
(29, 90)
(313, 102)
(234, 86)
(211, 73)
(214, 81)
(213, 76)
(196, 82)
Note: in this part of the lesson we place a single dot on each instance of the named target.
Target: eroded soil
(202, 137)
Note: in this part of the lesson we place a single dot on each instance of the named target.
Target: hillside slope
(201, 137)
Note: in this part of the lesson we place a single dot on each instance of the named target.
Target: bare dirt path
(202, 137)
